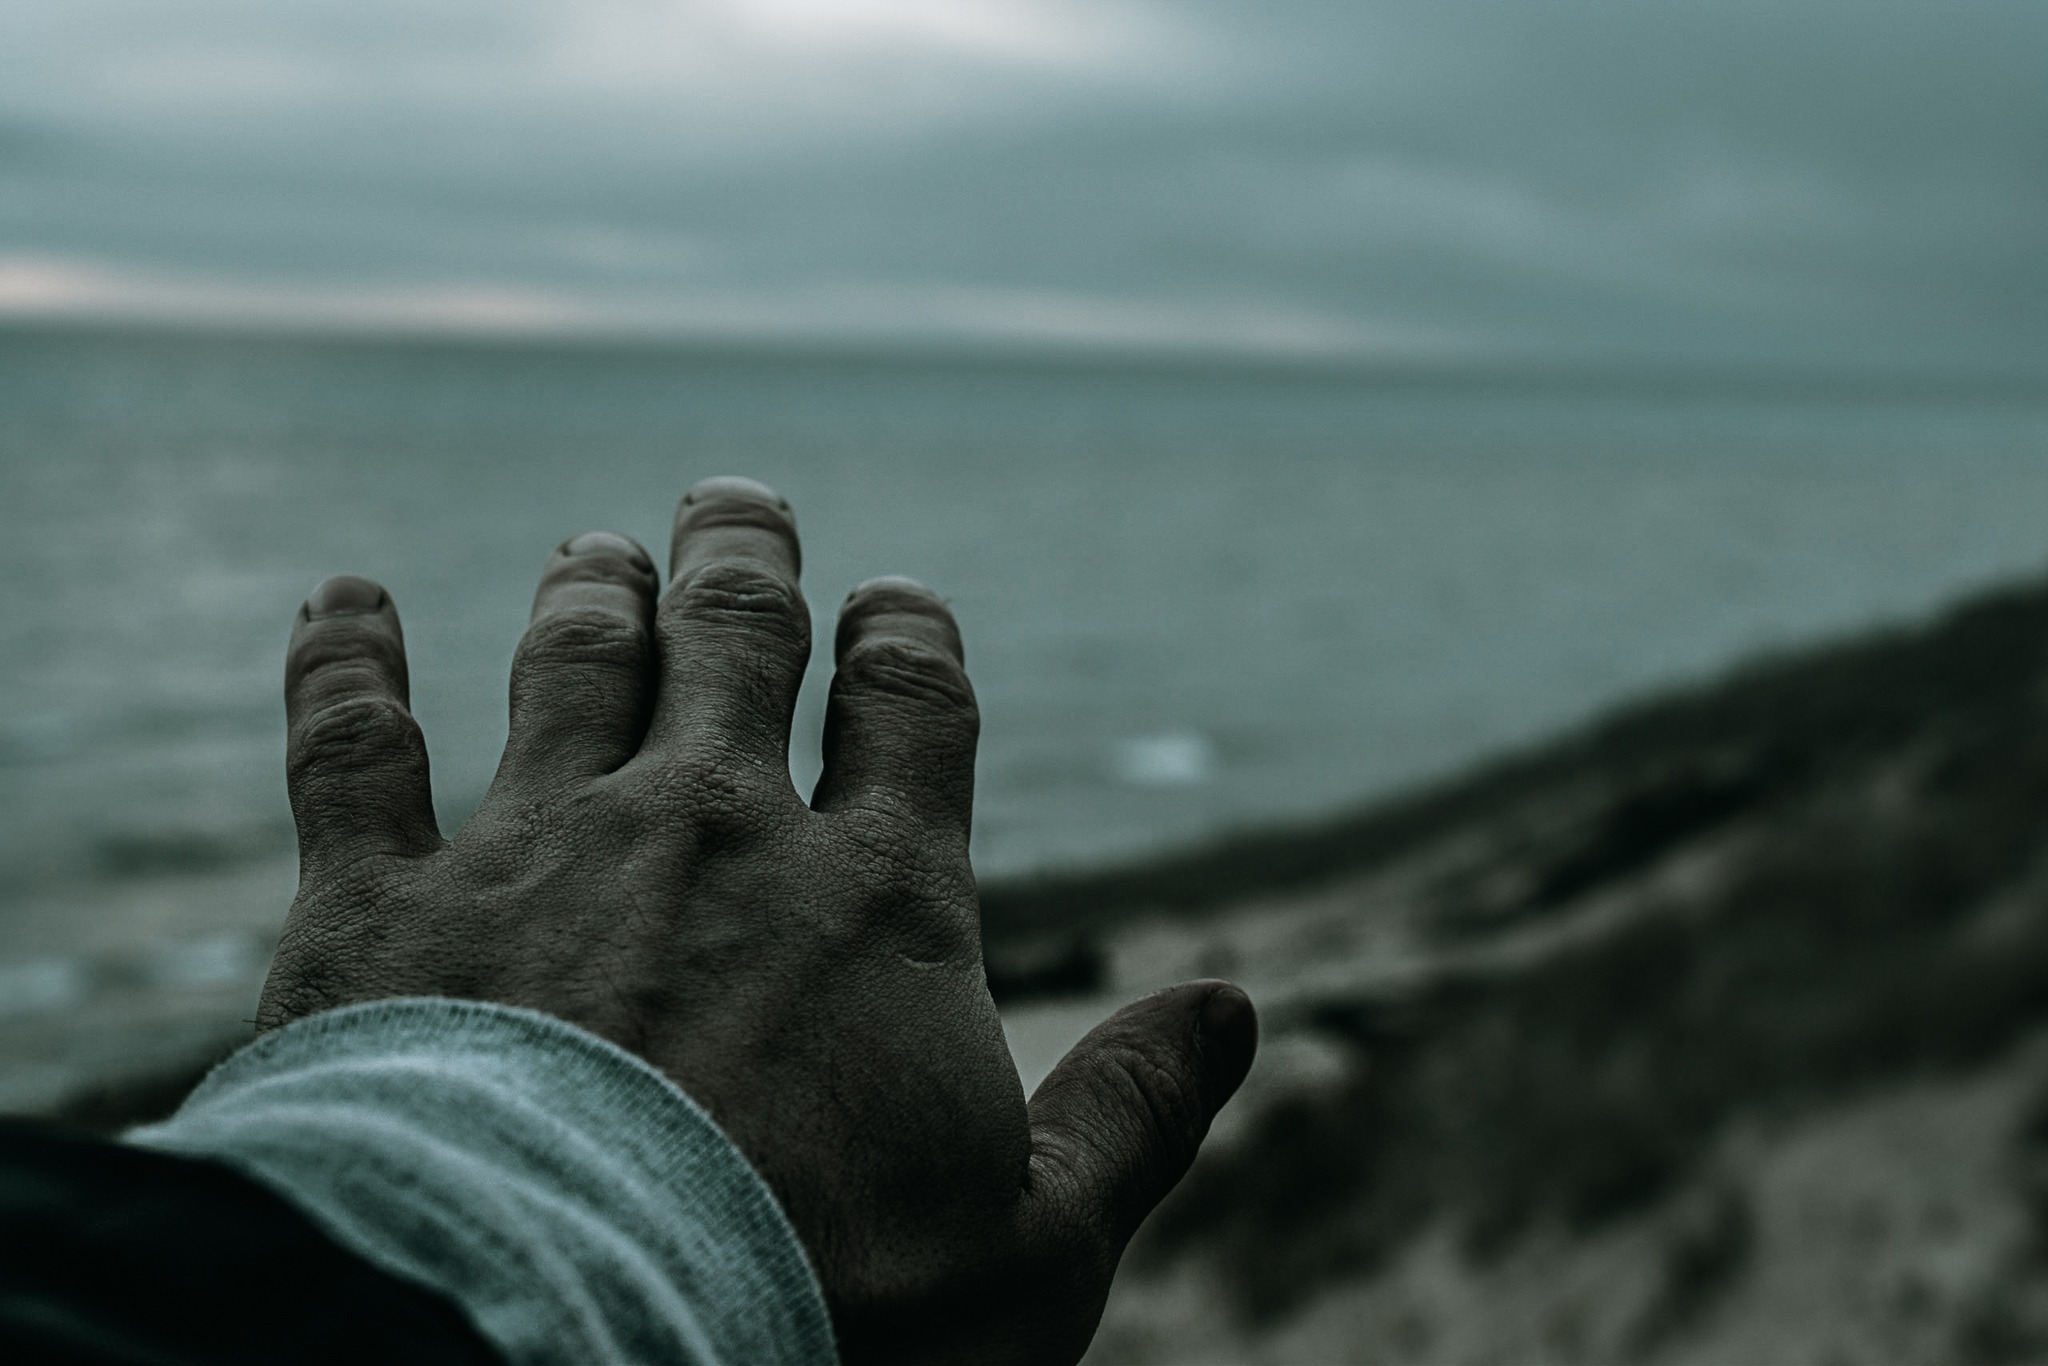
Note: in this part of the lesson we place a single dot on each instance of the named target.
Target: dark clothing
(119, 1256)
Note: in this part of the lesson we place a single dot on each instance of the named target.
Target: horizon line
(1502, 369)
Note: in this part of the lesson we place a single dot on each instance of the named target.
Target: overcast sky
(1827, 182)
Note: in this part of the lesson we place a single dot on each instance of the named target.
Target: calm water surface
(1192, 601)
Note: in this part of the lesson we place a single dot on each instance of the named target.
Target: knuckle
(900, 871)
(347, 732)
(750, 596)
(894, 669)
(721, 789)
(909, 870)
(582, 638)
(330, 653)
(884, 832)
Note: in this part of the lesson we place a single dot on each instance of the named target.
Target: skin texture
(810, 972)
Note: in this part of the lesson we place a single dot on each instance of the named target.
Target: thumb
(1117, 1123)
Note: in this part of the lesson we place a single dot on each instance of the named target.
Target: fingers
(732, 629)
(901, 724)
(354, 757)
(583, 677)
(1115, 1125)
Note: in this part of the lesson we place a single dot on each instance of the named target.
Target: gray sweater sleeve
(571, 1199)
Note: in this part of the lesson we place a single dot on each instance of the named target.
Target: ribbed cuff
(569, 1197)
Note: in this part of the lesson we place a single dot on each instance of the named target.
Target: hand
(811, 974)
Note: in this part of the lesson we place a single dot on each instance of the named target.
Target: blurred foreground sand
(1716, 1032)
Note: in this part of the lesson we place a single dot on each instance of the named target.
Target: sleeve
(112, 1255)
(569, 1198)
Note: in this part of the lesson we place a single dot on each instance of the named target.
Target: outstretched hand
(811, 973)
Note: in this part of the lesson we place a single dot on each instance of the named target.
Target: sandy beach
(1714, 1032)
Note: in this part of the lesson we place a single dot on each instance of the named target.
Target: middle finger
(732, 629)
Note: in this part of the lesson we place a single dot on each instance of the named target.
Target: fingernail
(734, 486)
(900, 607)
(344, 594)
(607, 543)
(1230, 1037)
(896, 584)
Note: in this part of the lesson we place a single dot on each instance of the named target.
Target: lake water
(1192, 600)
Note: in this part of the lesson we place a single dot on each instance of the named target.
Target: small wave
(1175, 759)
(153, 853)
(57, 982)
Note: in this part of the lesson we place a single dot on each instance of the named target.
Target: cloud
(708, 72)
(46, 288)
(1005, 32)
(1815, 179)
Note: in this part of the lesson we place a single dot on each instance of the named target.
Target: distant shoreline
(1590, 374)
(1802, 708)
